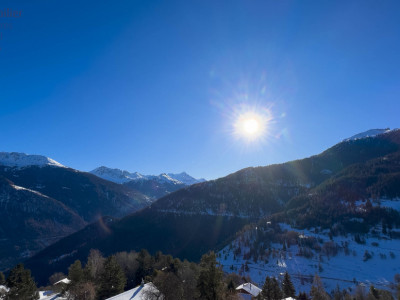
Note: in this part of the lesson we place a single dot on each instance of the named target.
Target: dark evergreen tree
(21, 284)
(302, 296)
(2, 278)
(112, 279)
(75, 273)
(210, 278)
(146, 262)
(287, 286)
(276, 292)
(266, 292)
(231, 286)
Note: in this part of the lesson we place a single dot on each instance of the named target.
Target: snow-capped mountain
(21, 160)
(122, 176)
(185, 178)
(368, 133)
(116, 175)
(163, 178)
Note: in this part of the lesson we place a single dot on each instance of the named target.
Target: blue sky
(154, 86)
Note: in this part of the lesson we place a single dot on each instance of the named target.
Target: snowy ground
(347, 269)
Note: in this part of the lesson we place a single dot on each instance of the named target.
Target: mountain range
(319, 191)
(42, 201)
(121, 176)
(151, 185)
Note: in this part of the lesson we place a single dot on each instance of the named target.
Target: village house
(248, 291)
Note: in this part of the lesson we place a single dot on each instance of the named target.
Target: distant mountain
(121, 176)
(15, 159)
(185, 178)
(116, 175)
(154, 186)
(30, 183)
(205, 216)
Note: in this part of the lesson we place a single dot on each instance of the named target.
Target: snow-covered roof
(65, 280)
(289, 298)
(140, 292)
(249, 288)
(3, 287)
(50, 295)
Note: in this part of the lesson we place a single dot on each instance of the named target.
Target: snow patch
(20, 188)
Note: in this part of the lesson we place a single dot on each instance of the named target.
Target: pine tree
(266, 291)
(75, 272)
(231, 286)
(276, 291)
(146, 263)
(287, 286)
(302, 296)
(210, 278)
(21, 284)
(112, 279)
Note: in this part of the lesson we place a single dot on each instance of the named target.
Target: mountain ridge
(122, 176)
(233, 201)
(19, 159)
(58, 192)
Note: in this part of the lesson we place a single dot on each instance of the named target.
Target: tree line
(103, 277)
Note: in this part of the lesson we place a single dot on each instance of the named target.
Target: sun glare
(250, 126)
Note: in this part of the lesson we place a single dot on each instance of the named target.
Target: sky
(158, 86)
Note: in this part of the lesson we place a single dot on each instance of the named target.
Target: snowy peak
(21, 160)
(116, 175)
(163, 177)
(368, 133)
(120, 176)
(185, 178)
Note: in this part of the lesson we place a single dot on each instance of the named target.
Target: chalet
(144, 291)
(248, 290)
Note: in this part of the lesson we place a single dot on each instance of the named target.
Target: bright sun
(250, 126)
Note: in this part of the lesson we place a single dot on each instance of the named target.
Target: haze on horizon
(196, 86)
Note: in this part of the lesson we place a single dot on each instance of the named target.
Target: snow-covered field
(348, 268)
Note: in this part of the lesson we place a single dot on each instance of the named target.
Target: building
(248, 290)
(145, 291)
